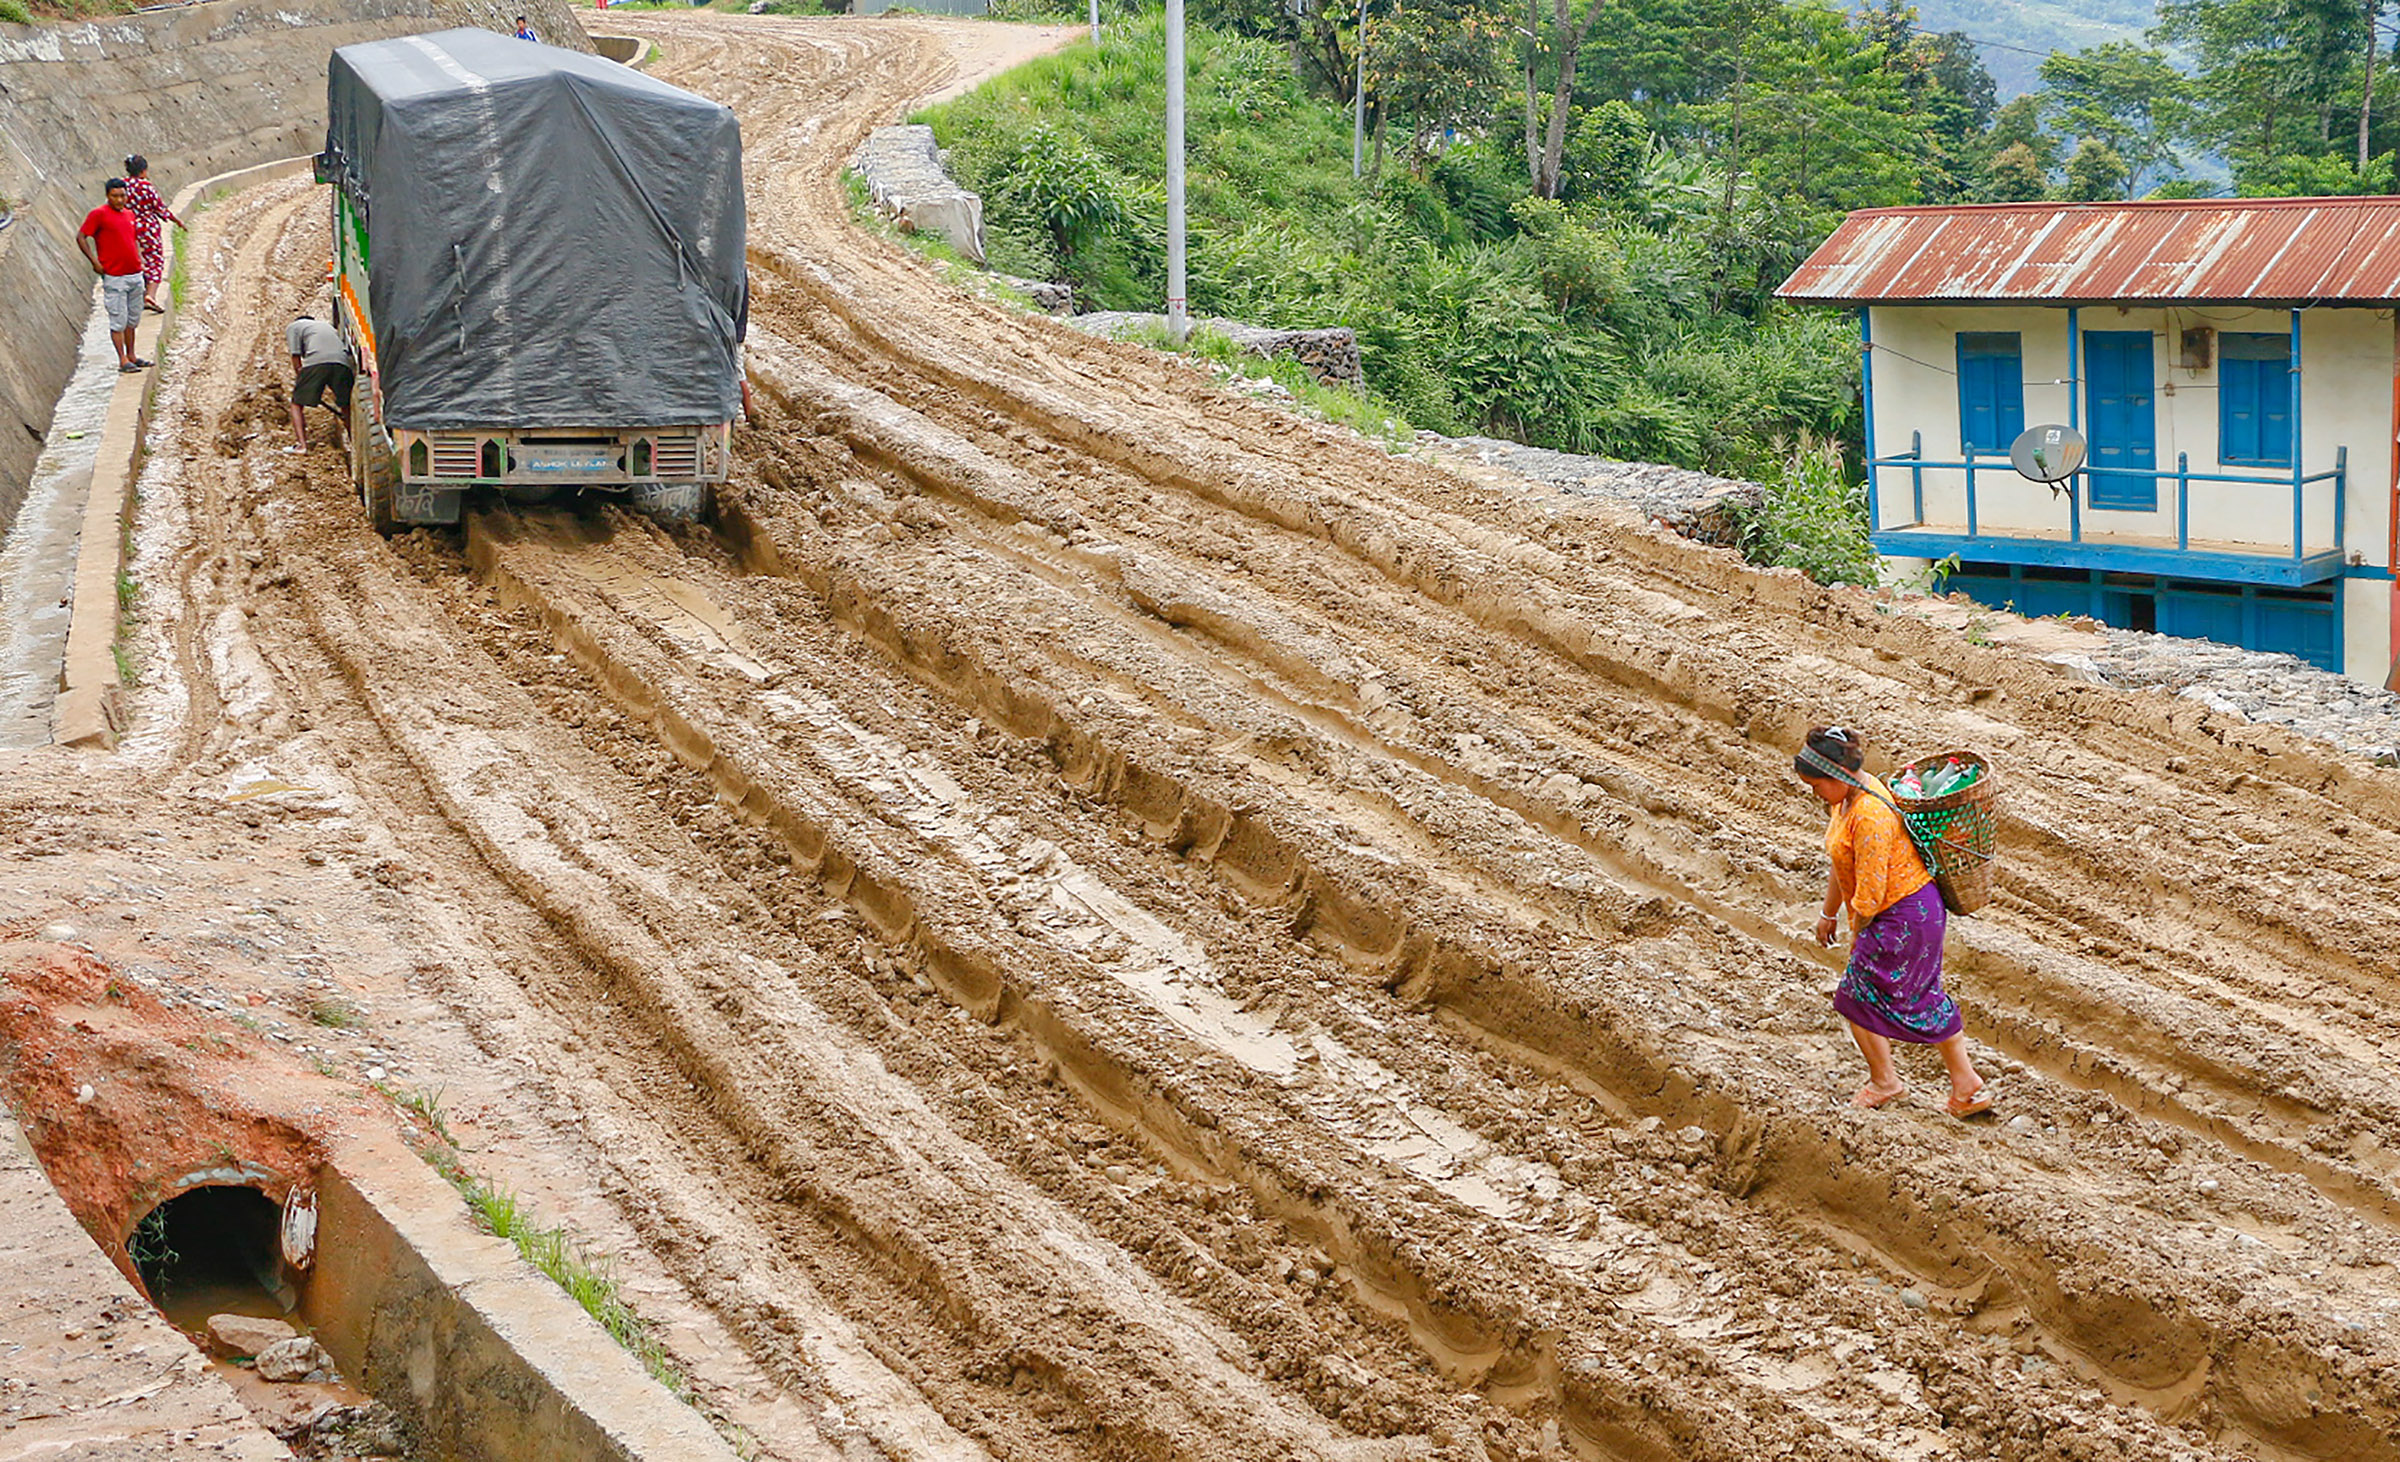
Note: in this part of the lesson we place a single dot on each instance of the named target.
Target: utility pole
(1177, 325)
(1095, 22)
(1358, 100)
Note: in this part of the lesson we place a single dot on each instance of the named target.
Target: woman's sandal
(1869, 1098)
(1974, 1105)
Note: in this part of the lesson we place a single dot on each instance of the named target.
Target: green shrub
(1057, 181)
(1813, 518)
(14, 13)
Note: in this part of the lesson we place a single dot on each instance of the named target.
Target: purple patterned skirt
(1894, 984)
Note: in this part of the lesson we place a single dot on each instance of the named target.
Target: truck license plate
(566, 461)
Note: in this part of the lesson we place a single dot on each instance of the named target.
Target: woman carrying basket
(1892, 990)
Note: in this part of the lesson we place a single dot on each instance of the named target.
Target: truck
(538, 267)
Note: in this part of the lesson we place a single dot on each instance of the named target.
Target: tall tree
(2366, 90)
(1815, 105)
(1546, 132)
(2096, 174)
(2267, 73)
(2129, 98)
(1437, 65)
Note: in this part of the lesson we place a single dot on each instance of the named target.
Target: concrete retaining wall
(199, 90)
(488, 1361)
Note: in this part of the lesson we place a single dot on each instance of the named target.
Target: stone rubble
(1695, 504)
(1330, 355)
(297, 1359)
(1055, 298)
(2271, 689)
(337, 1433)
(246, 1335)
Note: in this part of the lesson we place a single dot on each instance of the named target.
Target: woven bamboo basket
(1955, 830)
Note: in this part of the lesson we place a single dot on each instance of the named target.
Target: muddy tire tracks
(1101, 921)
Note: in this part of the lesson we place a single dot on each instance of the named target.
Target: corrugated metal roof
(2289, 250)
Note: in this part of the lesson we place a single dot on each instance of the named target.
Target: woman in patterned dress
(148, 208)
(1892, 990)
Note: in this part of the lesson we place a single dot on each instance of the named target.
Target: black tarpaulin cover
(553, 239)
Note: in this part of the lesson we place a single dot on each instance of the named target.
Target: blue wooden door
(2121, 406)
(2219, 616)
(2302, 622)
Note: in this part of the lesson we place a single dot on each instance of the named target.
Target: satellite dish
(2048, 453)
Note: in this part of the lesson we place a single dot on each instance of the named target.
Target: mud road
(1086, 918)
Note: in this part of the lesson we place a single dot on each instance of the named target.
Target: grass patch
(1360, 410)
(335, 1012)
(179, 272)
(554, 1251)
(727, 7)
(558, 1254)
(148, 1248)
(29, 12)
(426, 1107)
(129, 600)
(1813, 517)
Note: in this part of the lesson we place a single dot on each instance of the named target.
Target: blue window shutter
(2275, 413)
(2254, 400)
(2010, 398)
(2237, 410)
(1974, 399)
(1991, 389)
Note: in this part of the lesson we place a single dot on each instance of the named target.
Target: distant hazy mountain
(2014, 35)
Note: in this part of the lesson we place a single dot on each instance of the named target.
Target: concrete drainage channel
(267, 1212)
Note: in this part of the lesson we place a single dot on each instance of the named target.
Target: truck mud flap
(417, 503)
(669, 502)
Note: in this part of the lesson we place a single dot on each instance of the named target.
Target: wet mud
(1086, 918)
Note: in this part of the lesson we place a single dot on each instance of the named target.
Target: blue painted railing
(1915, 461)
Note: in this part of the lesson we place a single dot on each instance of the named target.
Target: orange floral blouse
(1874, 862)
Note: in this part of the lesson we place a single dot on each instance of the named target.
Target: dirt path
(1086, 918)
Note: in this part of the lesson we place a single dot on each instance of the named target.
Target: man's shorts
(315, 380)
(121, 295)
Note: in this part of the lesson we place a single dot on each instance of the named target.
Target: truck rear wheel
(374, 469)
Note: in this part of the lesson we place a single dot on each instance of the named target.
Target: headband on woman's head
(1827, 768)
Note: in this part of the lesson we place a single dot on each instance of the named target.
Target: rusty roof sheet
(2291, 250)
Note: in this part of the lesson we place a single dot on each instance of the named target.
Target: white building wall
(2369, 609)
(2347, 367)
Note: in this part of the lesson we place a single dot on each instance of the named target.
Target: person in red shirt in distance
(109, 240)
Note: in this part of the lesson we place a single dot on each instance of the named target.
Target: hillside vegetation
(1630, 318)
(1569, 227)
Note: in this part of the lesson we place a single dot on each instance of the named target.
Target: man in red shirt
(109, 240)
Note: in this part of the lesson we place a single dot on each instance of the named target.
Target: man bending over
(320, 363)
